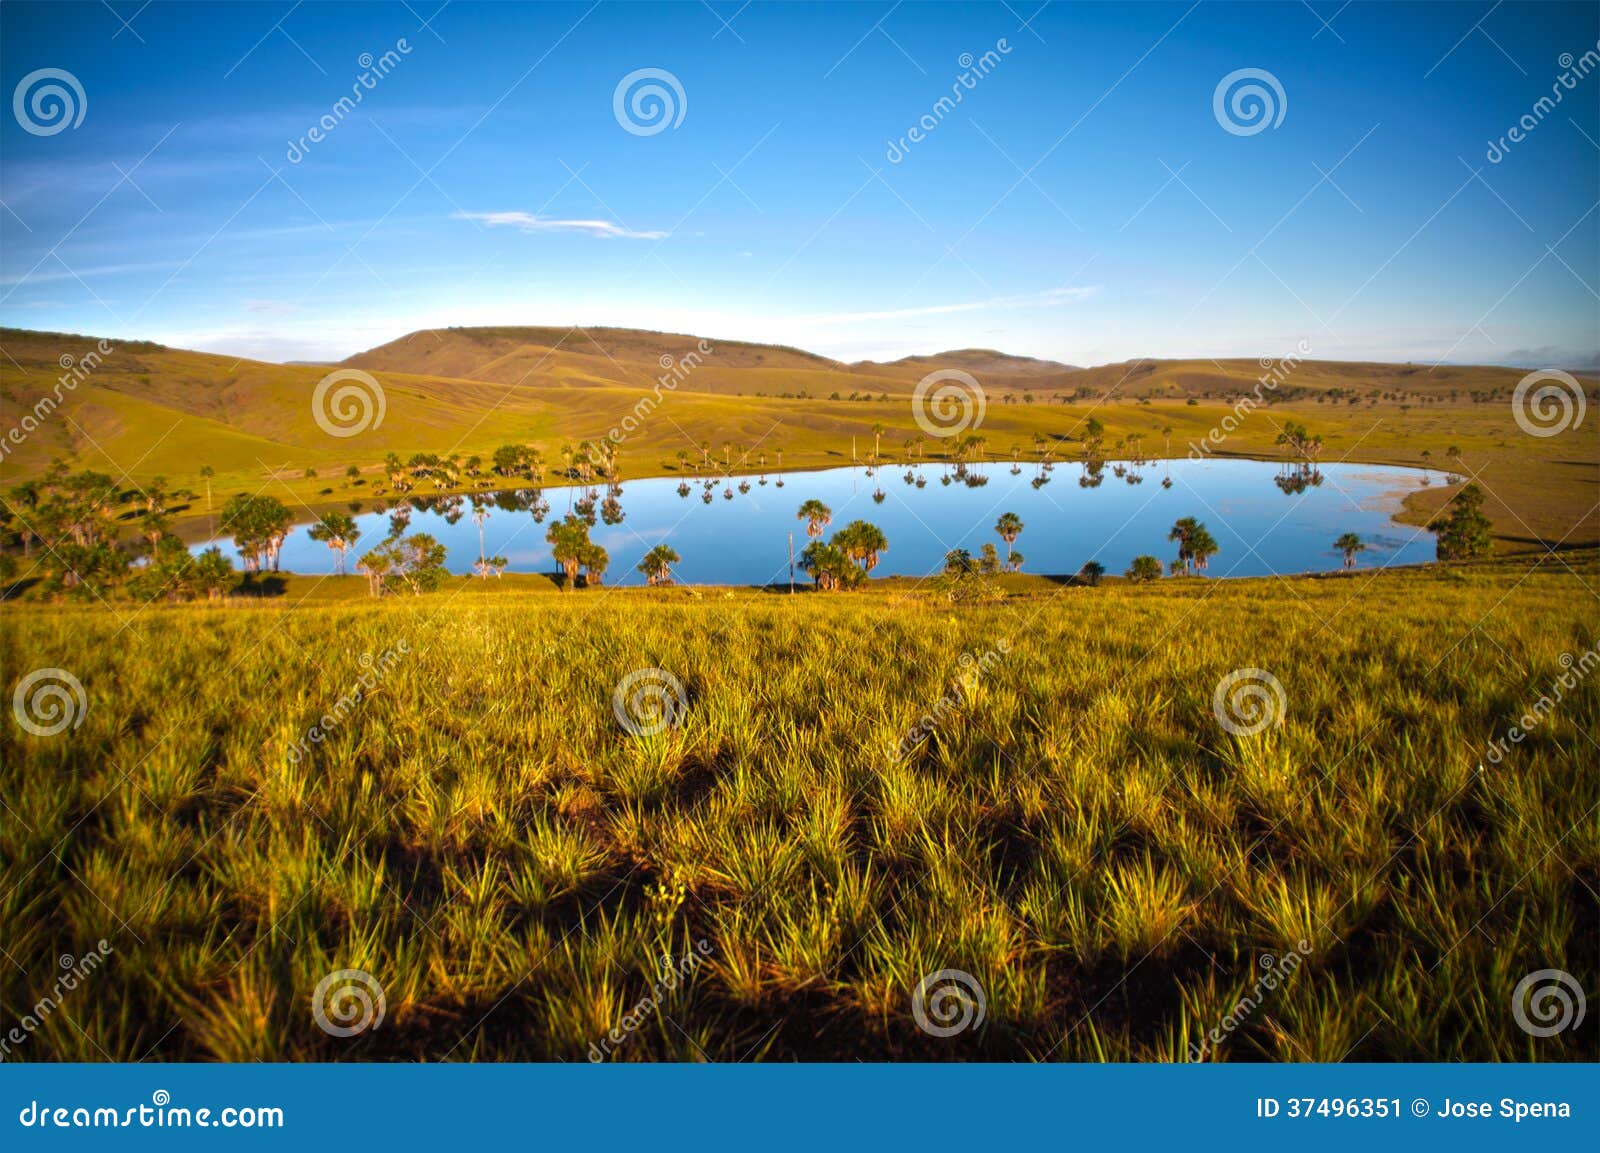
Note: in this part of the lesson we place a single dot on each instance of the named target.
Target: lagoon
(1268, 518)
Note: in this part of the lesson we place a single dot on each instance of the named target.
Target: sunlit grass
(1078, 832)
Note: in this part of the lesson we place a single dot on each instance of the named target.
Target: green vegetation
(1144, 568)
(1463, 530)
(657, 565)
(412, 564)
(572, 549)
(1077, 831)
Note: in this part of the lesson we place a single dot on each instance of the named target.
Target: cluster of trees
(71, 527)
(413, 564)
(657, 565)
(845, 560)
(258, 525)
(1196, 547)
(573, 550)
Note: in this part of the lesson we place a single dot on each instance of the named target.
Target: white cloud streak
(529, 223)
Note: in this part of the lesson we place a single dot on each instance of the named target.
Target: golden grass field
(1076, 830)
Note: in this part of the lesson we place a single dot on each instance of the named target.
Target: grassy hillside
(1076, 829)
(149, 411)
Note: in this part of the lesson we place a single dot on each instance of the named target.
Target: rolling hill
(146, 410)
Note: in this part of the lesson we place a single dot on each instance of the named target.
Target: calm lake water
(1265, 519)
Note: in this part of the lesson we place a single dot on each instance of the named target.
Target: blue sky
(1082, 202)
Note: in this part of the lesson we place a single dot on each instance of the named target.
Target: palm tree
(877, 436)
(817, 516)
(206, 473)
(1009, 526)
(595, 560)
(1182, 531)
(1349, 544)
(657, 565)
(1202, 547)
(569, 541)
(829, 566)
(862, 541)
(339, 532)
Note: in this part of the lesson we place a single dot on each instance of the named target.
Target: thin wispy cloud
(528, 222)
(1029, 300)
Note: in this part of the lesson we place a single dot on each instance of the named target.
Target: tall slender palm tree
(657, 564)
(817, 516)
(1009, 526)
(1349, 544)
(339, 532)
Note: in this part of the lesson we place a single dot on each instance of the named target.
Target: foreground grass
(1077, 832)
